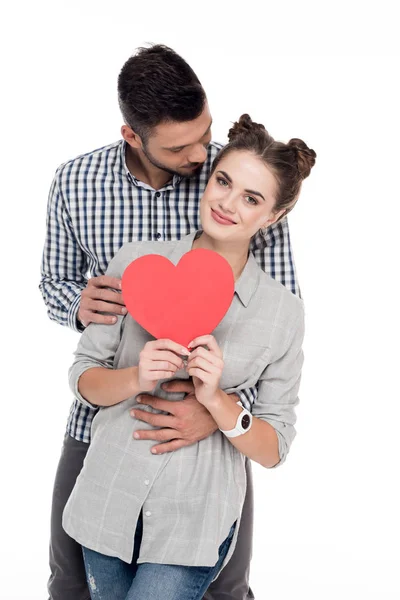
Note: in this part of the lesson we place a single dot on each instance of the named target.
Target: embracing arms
(102, 386)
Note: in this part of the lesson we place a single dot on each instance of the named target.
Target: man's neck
(141, 168)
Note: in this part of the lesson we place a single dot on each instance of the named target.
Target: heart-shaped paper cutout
(179, 302)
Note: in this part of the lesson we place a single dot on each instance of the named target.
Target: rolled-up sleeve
(98, 343)
(278, 389)
(97, 348)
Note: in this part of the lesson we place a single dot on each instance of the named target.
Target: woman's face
(239, 198)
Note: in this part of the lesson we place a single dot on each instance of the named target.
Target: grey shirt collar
(248, 281)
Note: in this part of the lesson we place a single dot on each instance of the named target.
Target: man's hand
(97, 298)
(188, 421)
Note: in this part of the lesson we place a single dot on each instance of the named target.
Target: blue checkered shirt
(96, 205)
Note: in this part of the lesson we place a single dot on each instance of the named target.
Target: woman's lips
(220, 219)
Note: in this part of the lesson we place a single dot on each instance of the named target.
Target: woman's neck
(234, 252)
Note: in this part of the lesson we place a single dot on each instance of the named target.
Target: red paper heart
(179, 302)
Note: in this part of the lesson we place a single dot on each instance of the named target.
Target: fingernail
(124, 311)
(132, 413)
(120, 285)
(114, 320)
(154, 451)
(185, 351)
(136, 435)
(138, 399)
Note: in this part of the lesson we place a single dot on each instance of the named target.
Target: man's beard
(183, 173)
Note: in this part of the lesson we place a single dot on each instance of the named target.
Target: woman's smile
(219, 218)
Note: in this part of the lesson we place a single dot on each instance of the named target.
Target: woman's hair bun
(305, 156)
(243, 126)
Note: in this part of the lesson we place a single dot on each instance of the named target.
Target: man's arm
(64, 264)
(71, 298)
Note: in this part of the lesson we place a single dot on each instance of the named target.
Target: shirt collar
(248, 281)
(182, 246)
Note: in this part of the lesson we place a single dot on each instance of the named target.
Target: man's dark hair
(156, 85)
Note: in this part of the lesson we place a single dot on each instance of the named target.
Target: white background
(327, 523)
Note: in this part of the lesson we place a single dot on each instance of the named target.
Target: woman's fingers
(207, 355)
(158, 365)
(206, 340)
(163, 355)
(164, 344)
(204, 376)
(156, 375)
(211, 364)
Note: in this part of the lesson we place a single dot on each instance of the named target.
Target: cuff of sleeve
(285, 434)
(74, 376)
(73, 322)
(282, 449)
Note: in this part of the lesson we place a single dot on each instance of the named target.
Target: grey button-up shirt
(190, 498)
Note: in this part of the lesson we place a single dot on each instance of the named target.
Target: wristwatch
(243, 423)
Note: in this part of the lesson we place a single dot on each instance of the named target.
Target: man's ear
(131, 138)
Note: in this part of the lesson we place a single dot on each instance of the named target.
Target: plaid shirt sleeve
(64, 264)
(273, 253)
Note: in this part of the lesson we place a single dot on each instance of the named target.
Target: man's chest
(108, 215)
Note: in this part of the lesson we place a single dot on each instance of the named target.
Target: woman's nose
(227, 204)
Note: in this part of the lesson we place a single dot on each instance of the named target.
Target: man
(144, 187)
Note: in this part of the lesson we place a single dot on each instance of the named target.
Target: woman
(163, 526)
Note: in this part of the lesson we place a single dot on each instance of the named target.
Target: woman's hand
(205, 367)
(159, 359)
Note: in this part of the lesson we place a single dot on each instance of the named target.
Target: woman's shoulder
(288, 304)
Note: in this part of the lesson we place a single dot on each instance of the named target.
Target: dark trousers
(68, 579)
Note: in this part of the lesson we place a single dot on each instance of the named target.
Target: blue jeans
(110, 578)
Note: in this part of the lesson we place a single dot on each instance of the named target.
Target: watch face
(245, 421)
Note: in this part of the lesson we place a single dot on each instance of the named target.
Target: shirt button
(147, 513)
(146, 481)
(158, 194)
(158, 235)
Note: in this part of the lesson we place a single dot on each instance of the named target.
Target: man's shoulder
(212, 150)
(105, 153)
(215, 147)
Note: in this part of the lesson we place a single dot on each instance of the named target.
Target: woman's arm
(92, 377)
(260, 443)
(104, 386)
(272, 431)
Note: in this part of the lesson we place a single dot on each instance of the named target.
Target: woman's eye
(222, 182)
(251, 200)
